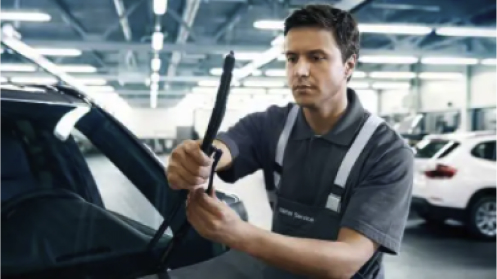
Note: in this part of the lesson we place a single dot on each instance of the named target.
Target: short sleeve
(379, 206)
(247, 142)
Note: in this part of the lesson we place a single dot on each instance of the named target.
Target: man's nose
(302, 68)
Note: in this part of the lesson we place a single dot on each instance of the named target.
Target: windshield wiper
(207, 147)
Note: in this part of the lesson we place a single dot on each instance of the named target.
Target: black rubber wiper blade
(215, 121)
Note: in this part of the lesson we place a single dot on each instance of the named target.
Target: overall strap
(280, 149)
(351, 157)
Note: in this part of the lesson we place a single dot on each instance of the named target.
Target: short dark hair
(341, 23)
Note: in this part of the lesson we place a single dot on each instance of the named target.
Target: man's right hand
(188, 166)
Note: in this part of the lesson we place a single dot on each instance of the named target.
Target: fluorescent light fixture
(155, 64)
(269, 24)
(263, 83)
(208, 83)
(104, 88)
(34, 80)
(4, 67)
(59, 51)
(449, 60)
(440, 76)
(24, 16)
(160, 7)
(154, 77)
(92, 81)
(275, 73)
(381, 59)
(3, 79)
(246, 55)
(282, 57)
(488, 62)
(401, 29)
(153, 98)
(358, 74)
(358, 84)
(78, 68)
(393, 75)
(154, 87)
(466, 32)
(391, 85)
(157, 40)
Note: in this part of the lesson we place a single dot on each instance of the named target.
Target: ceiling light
(92, 81)
(77, 68)
(275, 73)
(358, 84)
(157, 40)
(208, 83)
(391, 85)
(155, 64)
(379, 59)
(358, 74)
(269, 24)
(3, 79)
(399, 75)
(488, 61)
(282, 57)
(24, 16)
(435, 75)
(466, 32)
(278, 41)
(34, 80)
(401, 29)
(449, 60)
(263, 83)
(154, 87)
(160, 7)
(17, 67)
(246, 55)
(154, 77)
(59, 51)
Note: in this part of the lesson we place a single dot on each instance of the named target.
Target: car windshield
(434, 148)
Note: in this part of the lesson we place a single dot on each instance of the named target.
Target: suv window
(484, 150)
(428, 148)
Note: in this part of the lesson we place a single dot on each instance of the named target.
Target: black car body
(54, 222)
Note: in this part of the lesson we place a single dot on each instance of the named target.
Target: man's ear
(350, 66)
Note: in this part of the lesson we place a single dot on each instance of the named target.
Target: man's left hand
(212, 218)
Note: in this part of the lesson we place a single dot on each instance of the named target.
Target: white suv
(455, 178)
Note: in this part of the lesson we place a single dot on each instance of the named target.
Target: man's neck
(323, 118)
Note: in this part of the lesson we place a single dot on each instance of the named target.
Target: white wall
(436, 94)
(154, 123)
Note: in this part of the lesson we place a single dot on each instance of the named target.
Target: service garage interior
(428, 68)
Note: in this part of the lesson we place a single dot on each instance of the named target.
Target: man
(342, 178)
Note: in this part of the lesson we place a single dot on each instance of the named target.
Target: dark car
(56, 221)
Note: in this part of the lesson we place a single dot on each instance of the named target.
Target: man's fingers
(192, 149)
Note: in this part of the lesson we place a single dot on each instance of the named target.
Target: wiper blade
(212, 130)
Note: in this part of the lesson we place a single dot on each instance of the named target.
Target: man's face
(315, 69)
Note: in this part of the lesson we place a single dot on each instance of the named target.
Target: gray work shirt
(380, 200)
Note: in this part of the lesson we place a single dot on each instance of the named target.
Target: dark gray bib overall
(317, 221)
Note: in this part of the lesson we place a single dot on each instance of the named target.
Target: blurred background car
(455, 179)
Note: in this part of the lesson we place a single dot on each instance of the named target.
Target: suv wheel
(482, 219)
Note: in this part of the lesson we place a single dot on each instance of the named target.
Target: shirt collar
(343, 132)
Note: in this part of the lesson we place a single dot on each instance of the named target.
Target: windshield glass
(429, 148)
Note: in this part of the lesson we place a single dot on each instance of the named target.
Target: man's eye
(291, 59)
(318, 58)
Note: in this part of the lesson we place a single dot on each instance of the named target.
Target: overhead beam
(238, 13)
(222, 49)
(126, 14)
(123, 21)
(184, 24)
(77, 26)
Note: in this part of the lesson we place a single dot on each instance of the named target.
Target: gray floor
(444, 252)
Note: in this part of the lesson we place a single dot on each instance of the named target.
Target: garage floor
(427, 252)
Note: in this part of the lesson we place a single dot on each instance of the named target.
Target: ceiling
(197, 33)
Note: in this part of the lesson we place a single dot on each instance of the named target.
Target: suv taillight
(441, 171)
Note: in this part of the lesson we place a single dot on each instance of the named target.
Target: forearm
(308, 257)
